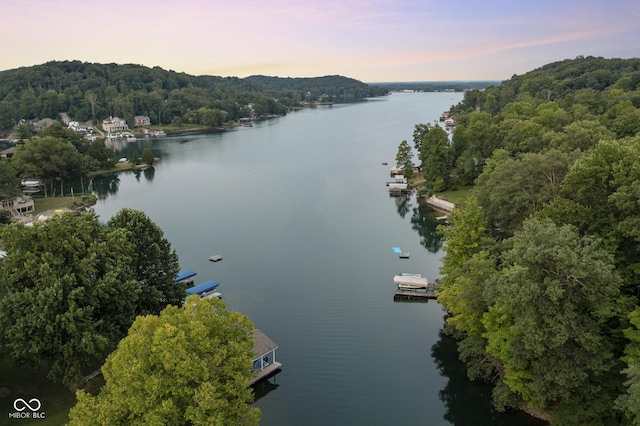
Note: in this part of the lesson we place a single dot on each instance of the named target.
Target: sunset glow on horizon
(372, 41)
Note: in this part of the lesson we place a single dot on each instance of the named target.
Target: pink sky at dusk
(372, 41)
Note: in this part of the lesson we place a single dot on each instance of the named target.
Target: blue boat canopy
(183, 275)
(203, 288)
(396, 250)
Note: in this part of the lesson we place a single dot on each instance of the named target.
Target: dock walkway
(440, 204)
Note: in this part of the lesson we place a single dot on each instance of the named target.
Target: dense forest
(541, 276)
(91, 91)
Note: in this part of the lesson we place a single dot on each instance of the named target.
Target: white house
(114, 124)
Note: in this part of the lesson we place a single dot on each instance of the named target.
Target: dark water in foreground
(299, 209)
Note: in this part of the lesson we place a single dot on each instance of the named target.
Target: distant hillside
(91, 91)
(437, 86)
(333, 87)
(566, 82)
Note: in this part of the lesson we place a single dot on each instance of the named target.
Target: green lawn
(43, 204)
(27, 383)
(456, 195)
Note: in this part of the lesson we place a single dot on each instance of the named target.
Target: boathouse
(413, 286)
(264, 352)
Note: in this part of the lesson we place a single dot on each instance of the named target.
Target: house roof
(262, 344)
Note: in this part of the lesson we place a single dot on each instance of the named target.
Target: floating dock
(413, 286)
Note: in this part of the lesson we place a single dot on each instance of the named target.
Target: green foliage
(562, 143)
(104, 157)
(465, 270)
(404, 157)
(436, 158)
(57, 130)
(514, 189)
(604, 185)
(154, 262)
(49, 158)
(548, 322)
(147, 156)
(629, 402)
(190, 365)
(24, 132)
(68, 293)
(89, 91)
(9, 183)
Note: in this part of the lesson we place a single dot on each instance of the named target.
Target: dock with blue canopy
(204, 289)
(185, 275)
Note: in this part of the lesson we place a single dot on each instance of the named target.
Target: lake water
(298, 208)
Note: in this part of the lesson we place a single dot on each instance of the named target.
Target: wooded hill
(91, 91)
(541, 278)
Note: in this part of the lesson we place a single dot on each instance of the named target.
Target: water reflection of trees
(149, 173)
(423, 221)
(469, 403)
(403, 204)
(105, 185)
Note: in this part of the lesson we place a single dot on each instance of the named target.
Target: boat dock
(264, 361)
(413, 286)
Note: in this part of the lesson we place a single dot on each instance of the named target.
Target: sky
(369, 40)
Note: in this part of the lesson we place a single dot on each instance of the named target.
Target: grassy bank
(457, 195)
(27, 383)
(54, 203)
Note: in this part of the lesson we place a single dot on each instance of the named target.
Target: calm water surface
(299, 209)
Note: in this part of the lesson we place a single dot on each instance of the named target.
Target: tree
(419, 131)
(552, 305)
(57, 130)
(104, 156)
(9, 183)
(604, 186)
(67, 293)
(147, 156)
(466, 268)
(403, 158)
(436, 158)
(629, 402)
(190, 365)
(48, 158)
(24, 132)
(154, 262)
(513, 189)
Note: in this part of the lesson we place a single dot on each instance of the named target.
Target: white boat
(406, 274)
(30, 186)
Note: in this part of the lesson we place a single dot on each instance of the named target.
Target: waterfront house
(114, 124)
(141, 121)
(18, 206)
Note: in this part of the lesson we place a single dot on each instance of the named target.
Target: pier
(413, 286)
(440, 204)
